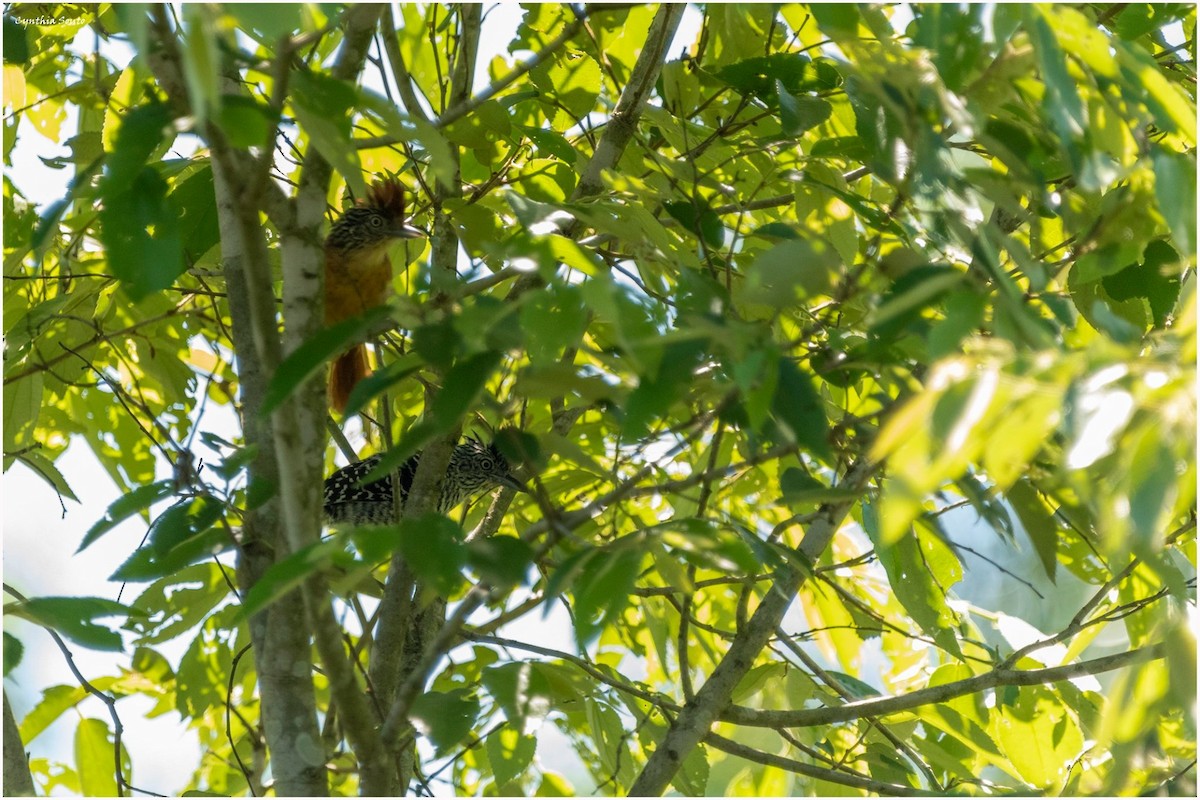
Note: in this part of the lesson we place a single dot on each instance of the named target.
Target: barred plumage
(374, 220)
(474, 469)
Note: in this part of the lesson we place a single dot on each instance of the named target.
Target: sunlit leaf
(444, 717)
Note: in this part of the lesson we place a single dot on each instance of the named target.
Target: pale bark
(279, 633)
(18, 782)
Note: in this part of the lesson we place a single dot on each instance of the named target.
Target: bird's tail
(349, 368)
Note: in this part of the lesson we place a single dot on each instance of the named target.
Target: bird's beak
(514, 484)
(408, 232)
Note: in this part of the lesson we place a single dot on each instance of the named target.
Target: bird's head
(374, 220)
(480, 467)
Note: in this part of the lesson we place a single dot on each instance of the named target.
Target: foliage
(923, 274)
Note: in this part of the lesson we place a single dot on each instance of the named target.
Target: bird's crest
(387, 195)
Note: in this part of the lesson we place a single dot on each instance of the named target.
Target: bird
(358, 273)
(474, 468)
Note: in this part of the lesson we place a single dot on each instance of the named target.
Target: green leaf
(73, 618)
(125, 507)
(530, 212)
(836, 19)
(610, 739)
(692, 778)
(44, 468)
(245, 121)
(500, 560)
(142, 131)
(916, 290)
(1143, 78)
(572, 79)
(284, 576)
(380, 381)
(953, 35)
(304, 362)
(698, 218)
(796, 72)
(140, 233)
(708, 544)
(181, 535)
(799, 488)
(522, 692)
(189, 596)
(193, 201)
(13, 650)
(22, 408)
(510, 753)
(1156, 280)
(437, 342)
(16, 46)
(182, 521)
(655, 395)
(797, 115)
(1179, 639)
(520, 447)
(462, 387)
(799, 407)
(964, 311)
(1039, 735)
(554, 785)
(432, 548)
(921, 570)
(268, 21)
(550, 143)
(1175, 187)
(602, 590)
(55, 701)
(1038, 523)
(94, 758)
(442, 161)
(792, 270)
(849, 147)
(775, 230)
(232, 465)
(858, 689)
(756, 679)
(567, 572)
(135, 22)
(1152, 475)
(1061, 102)
(553, 320)
(323, 107)
(202, 59)
(445, 717)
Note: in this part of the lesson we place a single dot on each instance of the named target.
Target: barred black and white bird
(474, 468)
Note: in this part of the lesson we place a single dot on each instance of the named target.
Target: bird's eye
(376, 222)
(487, 465)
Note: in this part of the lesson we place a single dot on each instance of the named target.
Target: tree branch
(883, 706)
(465, 105)
(698, 715)
(109, 702)
(279, 633)
(404, 81)
(835, 684)
(406, 645)
(623, 122)
(820, 773)
(18, 781)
